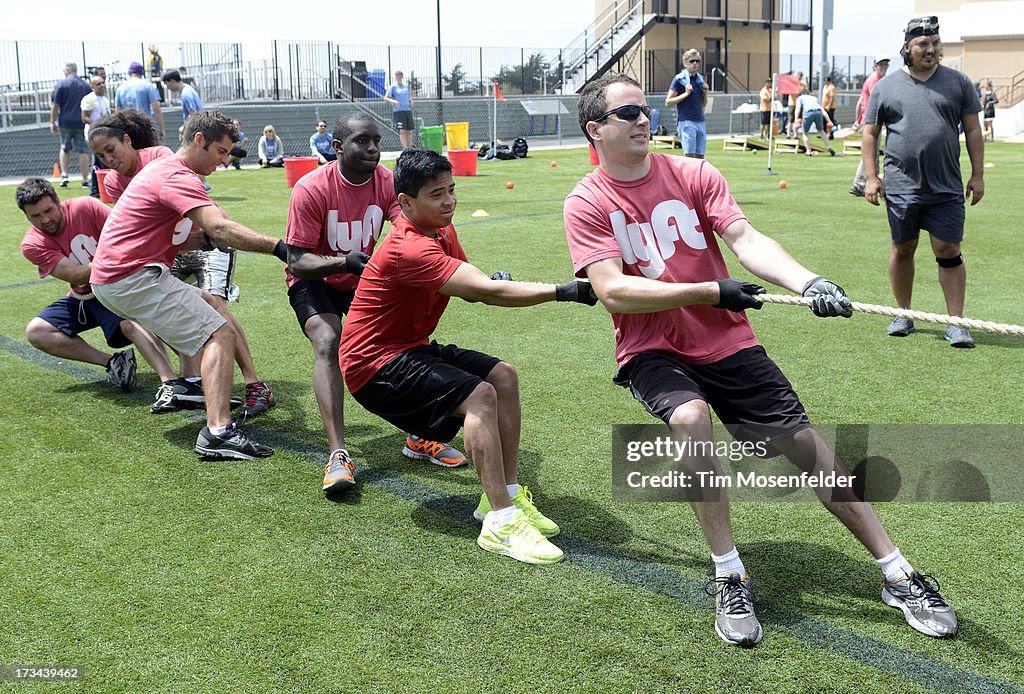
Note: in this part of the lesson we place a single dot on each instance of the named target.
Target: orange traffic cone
(56, 170)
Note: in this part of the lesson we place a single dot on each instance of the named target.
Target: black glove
(281, 251)
(579, 291)
(214, 244)
(502, 275)
(827, 298)
(736, 295)
(355, 262)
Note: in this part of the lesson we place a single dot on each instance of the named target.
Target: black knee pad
(950, 262)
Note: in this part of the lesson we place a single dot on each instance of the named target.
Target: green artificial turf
(124, 553)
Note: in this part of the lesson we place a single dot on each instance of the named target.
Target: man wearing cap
(140, 94)
(923, 107)
(881, 67)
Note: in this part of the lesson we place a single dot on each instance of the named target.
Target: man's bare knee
(36, 332)
(691, 417)
(482, 402)
(504, 377)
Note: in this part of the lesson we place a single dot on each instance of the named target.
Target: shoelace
(921, 587)
(342, 460)
(254, 392)
(733, 594)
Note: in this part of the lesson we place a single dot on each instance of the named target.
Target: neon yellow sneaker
(519, 540)
(523, 500)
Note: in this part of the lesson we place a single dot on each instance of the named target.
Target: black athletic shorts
(312, 297)
(766, 117)
(418, 390)
(402, 120)
(748, 392)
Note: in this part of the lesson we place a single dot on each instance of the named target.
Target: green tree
(525, 78)
(455, 81)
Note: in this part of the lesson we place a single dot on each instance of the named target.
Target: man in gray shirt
(923, 106)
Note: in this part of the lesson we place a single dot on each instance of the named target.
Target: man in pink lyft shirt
(131, 268)
(645, 229)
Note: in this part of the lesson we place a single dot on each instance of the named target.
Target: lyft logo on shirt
(649, 244)
(346, 237)
(83, 248)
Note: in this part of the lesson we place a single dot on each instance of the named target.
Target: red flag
(497, 92)
(787, 84)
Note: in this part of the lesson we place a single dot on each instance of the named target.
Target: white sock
(218, 431)
(502, 516)
(728, 563)
(513, 489)
(194, 379)
(894, 566)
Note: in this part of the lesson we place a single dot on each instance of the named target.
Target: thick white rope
(1003, 328)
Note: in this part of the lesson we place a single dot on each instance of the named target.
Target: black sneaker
(176, 395)
(233, 443)
(63, 181)
(121, 371)
(258, 399)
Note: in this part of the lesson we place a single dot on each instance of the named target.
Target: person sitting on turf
(61, 243)
(321, 144)
(238, 152)
(809, 112)
(683, 342)
(432, 390)
(124, 141)
(271, 148)
(334, 220)
(131, 269)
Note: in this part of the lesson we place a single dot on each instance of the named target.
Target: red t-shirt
(663, 227)
(115, 183)
(83, 220)
(865, 95)
(397, 305)
(330, 216)
(147, 226)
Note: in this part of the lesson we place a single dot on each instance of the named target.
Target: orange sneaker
(340, 472)
(436, 452)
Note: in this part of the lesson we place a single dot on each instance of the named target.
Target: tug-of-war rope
(1002, 328)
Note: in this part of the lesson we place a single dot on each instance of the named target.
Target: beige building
(984, 39)
(653, 34)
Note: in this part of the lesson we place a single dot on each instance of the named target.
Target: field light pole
(440, 86)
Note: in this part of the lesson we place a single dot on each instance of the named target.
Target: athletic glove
(736, 295)
(281, 251)
(502, 275)
(827, 298)
(212, 244)
(355, 262)
(579, 291)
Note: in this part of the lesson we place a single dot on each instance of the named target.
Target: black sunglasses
(629, 112)
(695, 61)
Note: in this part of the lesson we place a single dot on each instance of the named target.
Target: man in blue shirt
(190, 102)
(321, 144)
(688, 93)
(66, 116)
(400, 98)
(140, 94)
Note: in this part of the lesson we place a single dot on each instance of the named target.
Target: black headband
(921, 26)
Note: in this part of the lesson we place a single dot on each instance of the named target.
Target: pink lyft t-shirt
(147, 226)
(663, 227)
(330, 216)
(83, 220)
(397, 305)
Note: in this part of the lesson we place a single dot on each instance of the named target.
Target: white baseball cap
(881, 59)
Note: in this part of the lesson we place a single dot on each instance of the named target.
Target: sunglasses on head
(629, 112)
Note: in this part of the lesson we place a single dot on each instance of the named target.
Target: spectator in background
(808, 113)
(400, 98)
(881, 67)
(95, 105)
(66, 119)
(190, 102)
(155, 65)
(271, 148)
(765, 97)
(828, 103)
(238, 152)
(688, 93)
(141, 95)
(988, 102)
(321, 144)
